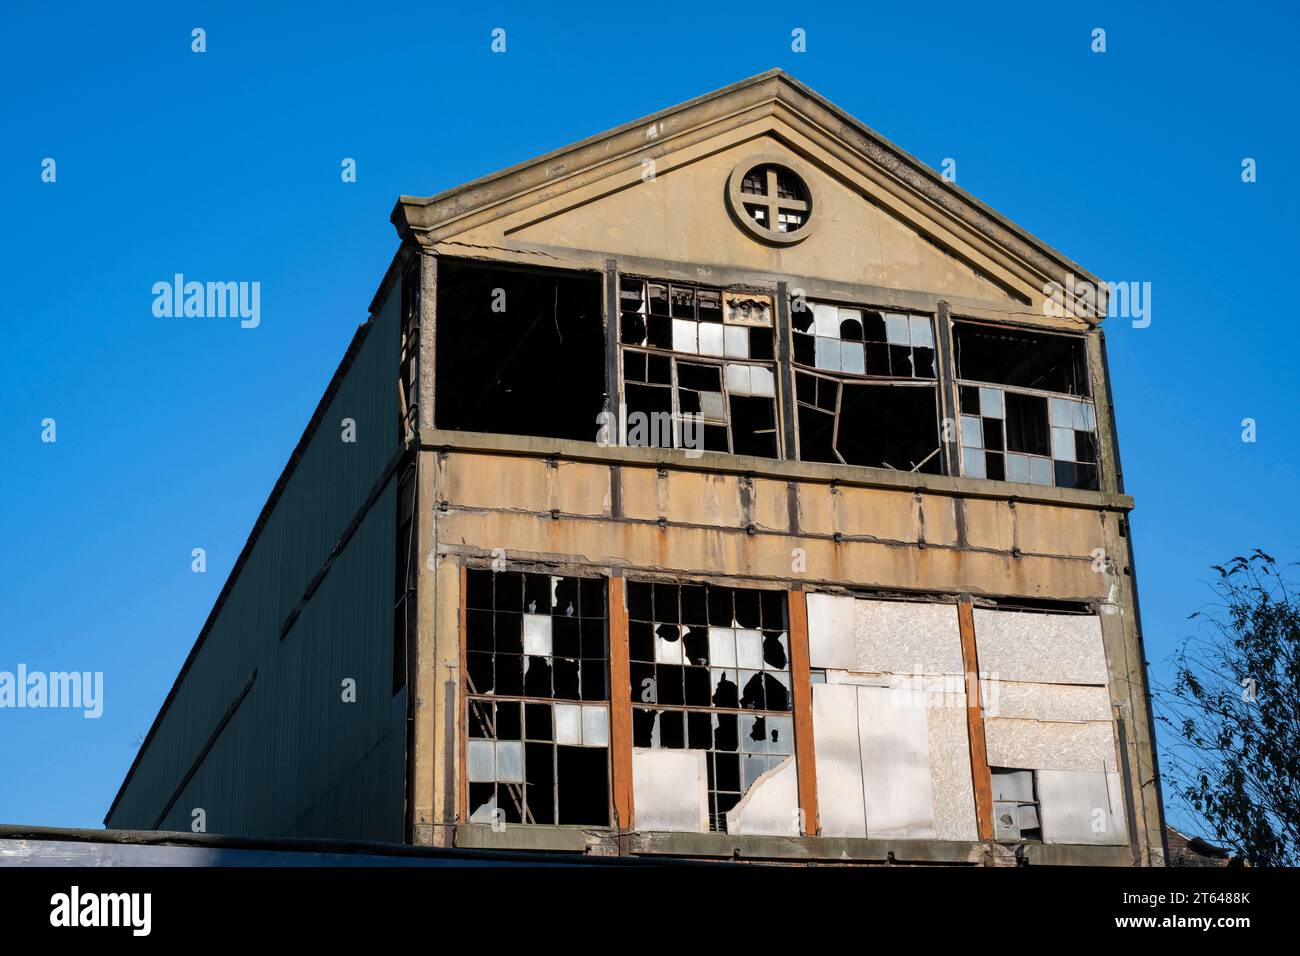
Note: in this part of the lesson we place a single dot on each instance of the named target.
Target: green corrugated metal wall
(295, 760)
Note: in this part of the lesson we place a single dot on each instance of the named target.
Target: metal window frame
(470, 696)
(616, 365)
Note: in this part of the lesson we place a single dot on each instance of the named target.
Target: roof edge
(495, 187)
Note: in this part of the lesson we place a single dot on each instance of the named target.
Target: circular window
(770, 200)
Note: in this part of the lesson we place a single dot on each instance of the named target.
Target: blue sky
(226, 165)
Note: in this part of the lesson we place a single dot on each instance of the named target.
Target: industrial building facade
(727, 485)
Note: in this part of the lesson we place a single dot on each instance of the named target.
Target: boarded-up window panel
(883, 637)
(873, 763)
(840, 798)
(830, 632)
(896, 764)
(771, 806)
(1046, 648)
(1082, 807)
(670, 790)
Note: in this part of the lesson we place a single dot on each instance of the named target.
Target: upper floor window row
(524, 351)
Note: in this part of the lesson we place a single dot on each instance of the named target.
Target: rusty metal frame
(721, 361)
(801, 692)
(981, 778)
(620, 706)
(842, 379)
(738, 712)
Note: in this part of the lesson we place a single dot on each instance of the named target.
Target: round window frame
(736, 199)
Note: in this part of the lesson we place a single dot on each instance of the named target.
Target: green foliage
(1233, 708)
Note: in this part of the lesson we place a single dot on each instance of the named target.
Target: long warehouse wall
(256, 732)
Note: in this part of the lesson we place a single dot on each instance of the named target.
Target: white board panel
(839, 760)
(771, 806)
(671, 790)
(906, 637)
(1081, 807)
(831, 641)
(895, 766)
(1047, 648)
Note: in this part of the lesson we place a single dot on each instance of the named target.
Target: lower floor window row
(709, 695)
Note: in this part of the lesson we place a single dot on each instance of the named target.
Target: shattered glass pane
(711, 339)
(922, 333)
(828, 354)
(991, 402)
(897, 329)
(1040, 471)
(510, 761)
(480, 761)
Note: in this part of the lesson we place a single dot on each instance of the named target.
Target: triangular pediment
(656, 192)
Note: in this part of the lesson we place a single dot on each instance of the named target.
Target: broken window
(1025, 411)
(781, 191)
(1015, 805)
(863, 405)
(519, 351)
(831, 338)
(536, 659)
(699, 368)
(710, 672)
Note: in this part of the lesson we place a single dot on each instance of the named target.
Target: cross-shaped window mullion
(775, 203)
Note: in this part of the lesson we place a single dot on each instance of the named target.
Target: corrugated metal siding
(295, 760)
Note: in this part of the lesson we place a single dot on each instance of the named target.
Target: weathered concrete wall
(855, 241)
(573, 505)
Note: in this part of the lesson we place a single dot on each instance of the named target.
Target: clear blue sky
(225, 165)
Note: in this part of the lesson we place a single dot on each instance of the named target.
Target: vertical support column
(1126, 777)
(785, 372)
(1099, 390)
(949, 408)
(801, 691)
(442, 711)
(424, 767)
(620, 706)
(456, 725)
(981, 779)
(613, 388)
(428, 319)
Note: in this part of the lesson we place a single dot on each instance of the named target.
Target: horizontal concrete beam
(829, 849)
(524, 446)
